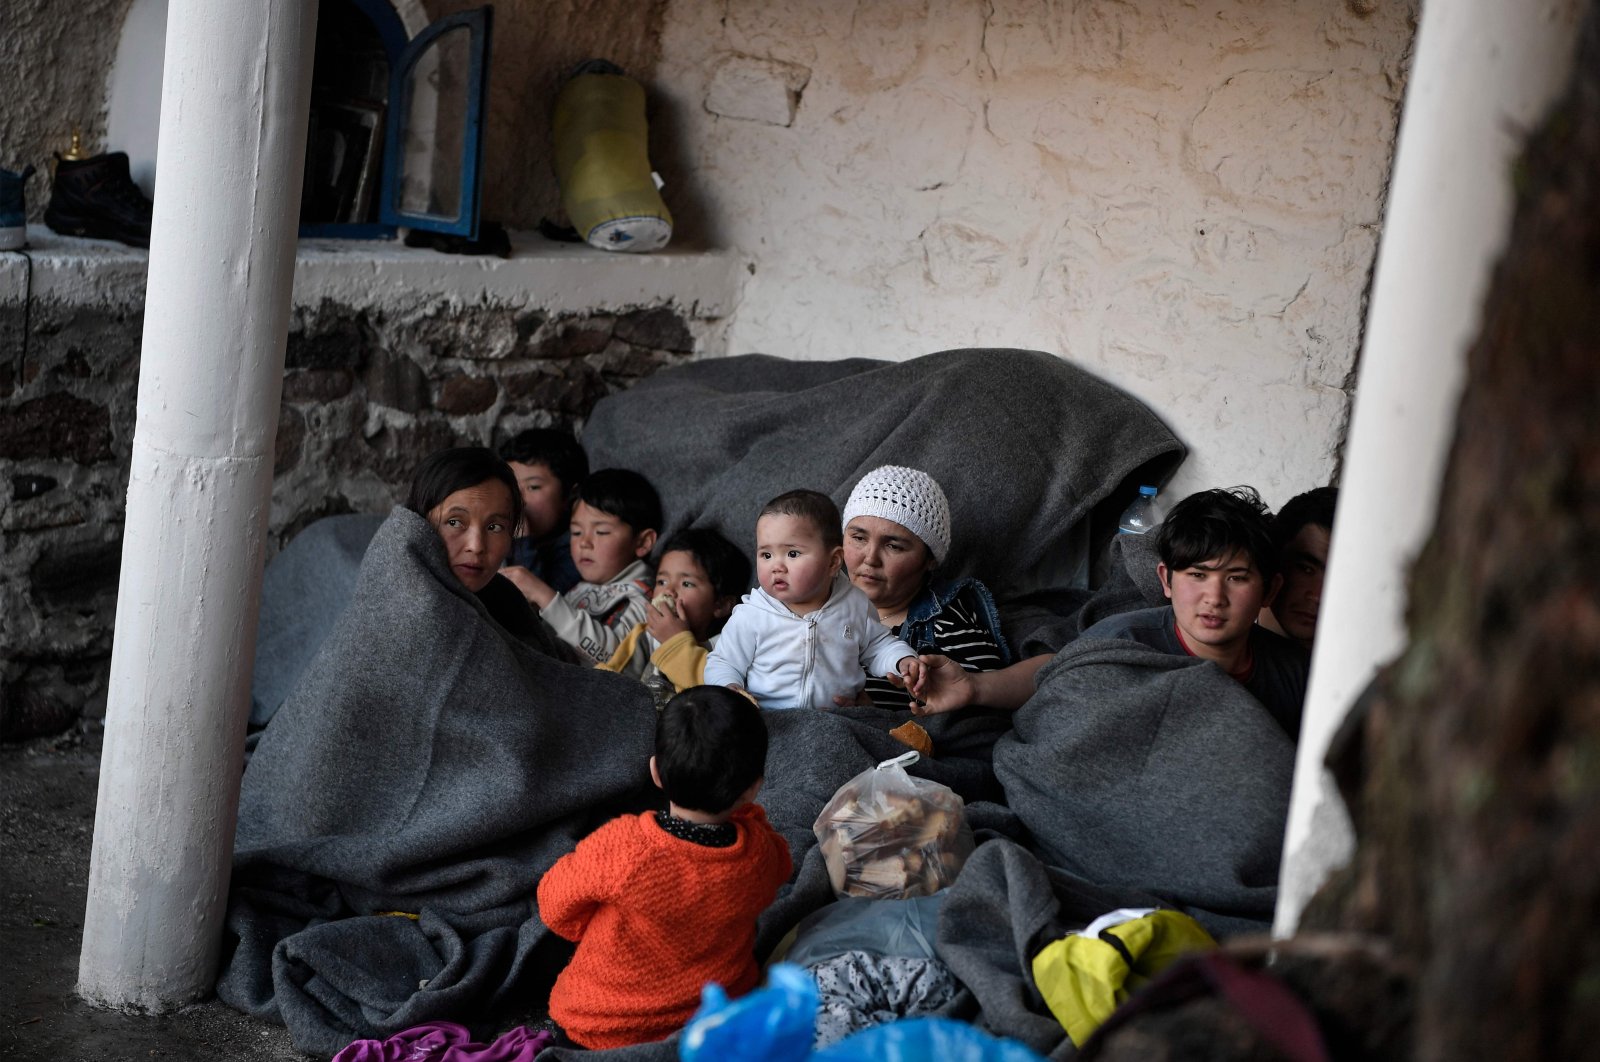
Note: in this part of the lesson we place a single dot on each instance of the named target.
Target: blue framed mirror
(432, 175)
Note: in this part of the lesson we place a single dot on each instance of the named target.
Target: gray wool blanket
(1134, 769)
(1004, 907)
(1026, 446)
(429, 763)
(303, 593)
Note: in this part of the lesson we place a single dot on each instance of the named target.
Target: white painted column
(235, 96)
(1485, 73)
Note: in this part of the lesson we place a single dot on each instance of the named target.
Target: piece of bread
(911, 733)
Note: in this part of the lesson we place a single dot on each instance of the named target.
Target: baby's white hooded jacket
(790, 661)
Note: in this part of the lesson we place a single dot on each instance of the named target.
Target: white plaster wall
(1182, 196)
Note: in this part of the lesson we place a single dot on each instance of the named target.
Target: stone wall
(367, 392)
(1183, 197)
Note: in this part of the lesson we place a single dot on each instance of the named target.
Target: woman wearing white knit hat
(896, 534)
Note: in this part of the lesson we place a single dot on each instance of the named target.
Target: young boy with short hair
(613, 529)
(664, 903)
(549, 465)
(698, 582)
(805, 636)
(1219, 568)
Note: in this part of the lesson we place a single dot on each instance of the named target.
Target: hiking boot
(13, 210)
(97, 197)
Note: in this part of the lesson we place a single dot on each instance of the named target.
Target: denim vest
(917, 629)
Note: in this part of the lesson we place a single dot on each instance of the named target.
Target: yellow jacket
(680, 658)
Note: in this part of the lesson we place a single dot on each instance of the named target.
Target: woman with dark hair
(470, 496)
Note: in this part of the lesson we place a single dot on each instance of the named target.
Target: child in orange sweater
(661, 904)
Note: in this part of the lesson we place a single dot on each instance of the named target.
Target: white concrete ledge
(386, 274)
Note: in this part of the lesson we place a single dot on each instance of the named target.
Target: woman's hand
(941, 685)
(664, 622)
(538, 592)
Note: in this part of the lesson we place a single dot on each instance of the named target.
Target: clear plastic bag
(887, 835)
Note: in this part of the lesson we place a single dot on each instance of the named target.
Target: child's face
(793, 564)
(683, 577)
(602, 545)
(544, 499)
(1216, 601)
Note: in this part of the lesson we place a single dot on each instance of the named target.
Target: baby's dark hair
(624, 494)
(812, 506)
(1215, 523)
(1315, 506)
(711, 745)
(557, 450)
(444, 472)
(726, 565)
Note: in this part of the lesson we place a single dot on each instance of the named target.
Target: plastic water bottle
(1140, 515)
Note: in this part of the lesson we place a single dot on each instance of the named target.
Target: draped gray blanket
(1135, 769)
(1025, 445)
(428, 762)
(303, 593)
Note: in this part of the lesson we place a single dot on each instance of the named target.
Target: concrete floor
(47, 798)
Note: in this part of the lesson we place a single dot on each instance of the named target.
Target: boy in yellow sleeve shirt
(698, 581)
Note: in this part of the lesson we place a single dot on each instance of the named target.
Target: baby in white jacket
(806, 637)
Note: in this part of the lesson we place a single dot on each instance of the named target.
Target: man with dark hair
(1218, 569)
(1303, 529)
(665, 902)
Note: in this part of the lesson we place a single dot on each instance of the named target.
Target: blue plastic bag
(776, 1024)
(925, 1040)
(771, 1024)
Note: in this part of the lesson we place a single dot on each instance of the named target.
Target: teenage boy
(614, 525)
(1303, 528)
(549, 465)
(1219, 568)
(662, 904)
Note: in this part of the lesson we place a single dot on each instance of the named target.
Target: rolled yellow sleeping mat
(603, 164)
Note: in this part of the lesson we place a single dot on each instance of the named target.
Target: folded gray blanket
(1004, 907)
(1132, 768)
(429, 763)
(1025, 445)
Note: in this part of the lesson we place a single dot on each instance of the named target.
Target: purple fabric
(445, 1041)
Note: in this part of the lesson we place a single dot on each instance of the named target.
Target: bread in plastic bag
(887, 835)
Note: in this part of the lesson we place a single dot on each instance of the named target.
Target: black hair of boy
(1315, 506)
(444, 472)
(553, 448)
(624, 494)
(711, 746)
(814, 507)
(726, 565)
(1215, 524)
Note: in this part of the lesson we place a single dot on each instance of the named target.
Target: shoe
(13, 210)
(96, 197)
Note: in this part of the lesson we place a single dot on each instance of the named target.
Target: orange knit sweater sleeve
(579, 884)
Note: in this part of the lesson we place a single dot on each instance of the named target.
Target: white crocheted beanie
(910, 498)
